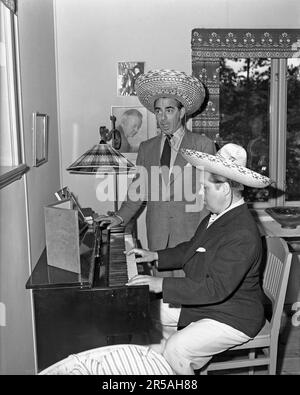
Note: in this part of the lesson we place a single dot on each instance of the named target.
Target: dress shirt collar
(176, 137)
(214, 217)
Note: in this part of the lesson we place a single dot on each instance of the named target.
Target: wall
(37, 52)
(92, 36)
(21, 203)
(16, 340)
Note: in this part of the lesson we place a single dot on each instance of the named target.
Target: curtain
(209, 45)
(11, 4)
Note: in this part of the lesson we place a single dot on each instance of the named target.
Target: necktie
(166, 153)
(165, 158)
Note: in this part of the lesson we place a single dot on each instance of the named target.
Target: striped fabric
(101, 158)
(126, 359)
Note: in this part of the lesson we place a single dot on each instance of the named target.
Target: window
(246, 107)
(244, 113)
(11, 166)
(253, 80)
(293, 131)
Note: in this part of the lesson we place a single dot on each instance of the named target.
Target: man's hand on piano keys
(143, 255)
(111, 220)
(155, 283)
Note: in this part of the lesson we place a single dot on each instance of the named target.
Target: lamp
(102, 159)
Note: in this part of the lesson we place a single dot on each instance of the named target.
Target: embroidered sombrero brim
(226, 168)
(170, 83)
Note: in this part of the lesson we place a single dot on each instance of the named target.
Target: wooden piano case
(74, 313)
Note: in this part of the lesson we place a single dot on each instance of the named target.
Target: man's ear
(227, 188)
(182, 112)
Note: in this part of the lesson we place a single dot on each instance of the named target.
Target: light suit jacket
(169, 222)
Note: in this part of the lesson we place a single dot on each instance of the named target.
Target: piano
(76, 312)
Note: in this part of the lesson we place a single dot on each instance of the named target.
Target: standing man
(171, 96)
(220, 298)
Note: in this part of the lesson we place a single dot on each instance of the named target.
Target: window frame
(18, 168)
(208, 46)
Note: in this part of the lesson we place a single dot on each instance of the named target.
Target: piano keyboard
(121, 266)
(130, 260)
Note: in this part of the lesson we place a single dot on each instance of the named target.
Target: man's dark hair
(234, 185)
(179, 105)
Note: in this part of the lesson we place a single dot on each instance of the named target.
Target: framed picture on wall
(132, 125)
(40, 138)
(127, 75)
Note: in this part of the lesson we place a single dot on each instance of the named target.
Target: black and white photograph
(128, 72)
(131, 122)
(149, 190)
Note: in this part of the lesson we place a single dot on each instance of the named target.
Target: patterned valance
(243, 43)
(11, 4)
(209, 45)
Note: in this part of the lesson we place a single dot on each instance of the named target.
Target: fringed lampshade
(102, 158)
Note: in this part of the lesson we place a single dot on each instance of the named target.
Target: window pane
(9, 141)
(5, 146)
(293, 131)
(244, 113)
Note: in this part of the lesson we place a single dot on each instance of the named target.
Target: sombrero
(170, 83)
(230, 162)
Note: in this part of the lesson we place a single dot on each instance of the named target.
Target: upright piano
(76, 312)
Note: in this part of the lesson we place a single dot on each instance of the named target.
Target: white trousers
(192, 347)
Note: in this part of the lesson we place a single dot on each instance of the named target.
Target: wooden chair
(275, 280)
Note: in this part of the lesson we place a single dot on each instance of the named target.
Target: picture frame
(128, 72)
(40, 138)
(131, 121)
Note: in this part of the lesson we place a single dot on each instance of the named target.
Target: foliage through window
(293, 131)
(253, 83)
(244, 113)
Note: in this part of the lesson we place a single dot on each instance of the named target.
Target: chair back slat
(276, 276)
(272, 276)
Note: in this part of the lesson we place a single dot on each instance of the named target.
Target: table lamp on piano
(104, 158)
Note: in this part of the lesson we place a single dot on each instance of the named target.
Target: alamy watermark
(296, 315)
(180, 185)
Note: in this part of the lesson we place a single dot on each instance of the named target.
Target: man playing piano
(220, 296)
(172, 96)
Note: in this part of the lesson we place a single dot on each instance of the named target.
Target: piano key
(121, 266)
(130, 259)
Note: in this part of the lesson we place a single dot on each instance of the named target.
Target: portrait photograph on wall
(128, 72)
(132, 125)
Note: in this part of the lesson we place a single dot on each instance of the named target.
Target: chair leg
(266, 351)
(251, 356)
(203, 371)
(273, 361)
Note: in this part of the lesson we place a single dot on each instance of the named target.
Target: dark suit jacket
(222, 280)
(168, 222)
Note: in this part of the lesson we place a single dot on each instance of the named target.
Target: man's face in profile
(132, 125)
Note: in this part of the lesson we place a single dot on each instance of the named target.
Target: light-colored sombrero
(170, 83)
(230, 162)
